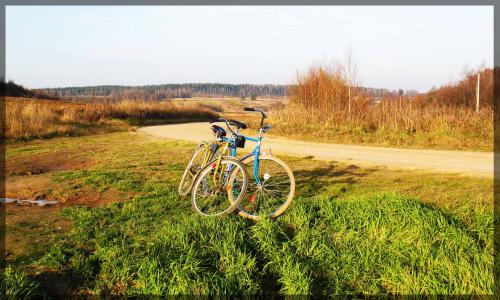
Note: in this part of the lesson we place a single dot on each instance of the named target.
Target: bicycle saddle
(238, 124)
(218, 131)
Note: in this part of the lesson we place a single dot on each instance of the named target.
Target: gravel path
(479, 164)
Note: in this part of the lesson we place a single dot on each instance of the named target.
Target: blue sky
(409, 47)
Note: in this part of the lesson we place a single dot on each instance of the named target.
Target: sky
(408, 47)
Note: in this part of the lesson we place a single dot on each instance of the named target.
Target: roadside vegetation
(28, 118)
(326, 105)
(350, 230)
(390, 125)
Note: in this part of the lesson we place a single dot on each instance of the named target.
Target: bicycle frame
(255, 151)
(206, 156)
(231, 141)
(226, 145)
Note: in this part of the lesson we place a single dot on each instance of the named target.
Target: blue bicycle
(271, 184)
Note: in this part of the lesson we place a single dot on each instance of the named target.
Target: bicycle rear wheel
(215, 183)
(275, 192)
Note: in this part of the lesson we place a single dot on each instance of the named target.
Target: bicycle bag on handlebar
(240, 141)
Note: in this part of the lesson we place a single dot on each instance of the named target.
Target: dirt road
(479, 164)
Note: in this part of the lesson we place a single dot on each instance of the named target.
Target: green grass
(386, 243)
(101, 180)
(350, 230)
(15, 284)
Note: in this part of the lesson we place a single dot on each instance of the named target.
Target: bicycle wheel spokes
(210, 197)
(213, 185)
(273, 194)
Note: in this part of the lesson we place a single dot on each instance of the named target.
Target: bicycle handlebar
(262, 112)
(228, 123)
(216, 120)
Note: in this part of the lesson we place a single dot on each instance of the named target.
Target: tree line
(12, 89)
(188, 90)
(167, 91)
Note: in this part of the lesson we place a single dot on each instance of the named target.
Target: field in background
(231, 106)
(35, 118)
(124, 229)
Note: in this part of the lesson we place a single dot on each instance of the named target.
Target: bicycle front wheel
(274, 192)
(215, 183)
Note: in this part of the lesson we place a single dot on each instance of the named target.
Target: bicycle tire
(289, 198)
(232, 205)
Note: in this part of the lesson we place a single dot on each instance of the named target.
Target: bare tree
(350, 74)
(477, 90)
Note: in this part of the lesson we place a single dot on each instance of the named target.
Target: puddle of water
(39, 202)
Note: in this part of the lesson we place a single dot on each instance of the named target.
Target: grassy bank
(28, 118)
(350, 230)
(390, 126)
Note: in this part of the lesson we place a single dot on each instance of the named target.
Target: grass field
(123, 230)
(28, 118)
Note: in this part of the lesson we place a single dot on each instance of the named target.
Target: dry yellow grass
(228, 105)
(319, 109)
(28, 118)
(444, 128)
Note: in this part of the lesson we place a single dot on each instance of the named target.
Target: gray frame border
(496, 183)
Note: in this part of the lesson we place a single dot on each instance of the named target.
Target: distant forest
(166, 91)
(186, 90)
(169, 91)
